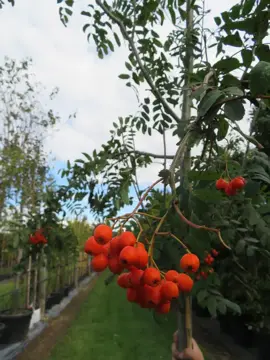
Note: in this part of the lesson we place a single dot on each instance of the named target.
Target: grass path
(108, 327)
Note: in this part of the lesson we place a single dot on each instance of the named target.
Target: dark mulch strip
(41, 347)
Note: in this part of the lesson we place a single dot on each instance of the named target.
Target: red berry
(103, 234)
(128, 256)
(99, 262)
(230, 191)
(221, 184)
(190, 263)
(238, 183)
(169, 290)
(151, 277)
(172, 275)
(185, 283)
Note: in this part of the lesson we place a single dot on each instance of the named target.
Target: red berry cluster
(208, 261)
(38, 238)
(145, 285)
(231, 187)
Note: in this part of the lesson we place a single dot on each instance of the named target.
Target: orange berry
(99, 262)
(103, 234)
(91, 247)
(142, 257)
(152, 295)
(115, 266)
(238, 183)
(172, 275)
(221, 184)
(128, 256)
(151, 277)
(123, 280)
(106, 249)
(127, 238)
(114, 246)
(135, 277)
(163, 308)
(185, 283)
(140, 245)
(169, 290)
(230, 191)
(131, 295)
(190, 263)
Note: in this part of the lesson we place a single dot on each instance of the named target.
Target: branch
(145, 72)
(249, 138)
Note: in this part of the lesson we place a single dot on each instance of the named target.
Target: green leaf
(260, 79)
(247, 56)
(208, 101)
(124, 76)
(234, 90)
(117, 40)
(223, 127)
(240, 247)
(203, 175)
(263, 52)
(128, 66)
(221, 307)
(251, 250)
(202, 295)
(233, 40)
(247, 7)
(232, 306)
(217, 20)
(212, 305)
(172, 13)
(85, 27)
(208, 195)
(227, 65)
(234, 110)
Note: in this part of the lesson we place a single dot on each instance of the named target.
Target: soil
(41, 347)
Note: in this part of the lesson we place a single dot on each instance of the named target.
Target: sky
(88, 86)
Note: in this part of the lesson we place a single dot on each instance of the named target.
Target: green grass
(108, 327)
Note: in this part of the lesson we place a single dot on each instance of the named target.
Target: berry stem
(199, 227)
(167, 233)
(152, 241)
(141, 200)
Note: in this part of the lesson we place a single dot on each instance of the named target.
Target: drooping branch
(144, 70)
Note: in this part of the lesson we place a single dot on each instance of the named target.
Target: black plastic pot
(66, 290)
(225, 324)
(237, 328)
(2, 328)
(5, 277)
(16, 325)
(263, 346)
(53, 299)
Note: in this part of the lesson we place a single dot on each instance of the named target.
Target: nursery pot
(2, 328)
(16, 325)
(263, 346)
(53, 299)
(66, 290)
(225, 323)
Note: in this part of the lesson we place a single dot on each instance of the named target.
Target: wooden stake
(184, 323)
(28, 288)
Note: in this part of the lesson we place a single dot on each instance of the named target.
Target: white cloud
(87, 85)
